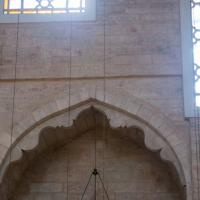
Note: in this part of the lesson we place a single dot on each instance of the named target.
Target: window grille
(195, 5)
(43, 6)
(47, 10)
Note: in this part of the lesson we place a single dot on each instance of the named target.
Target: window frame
(88, 15)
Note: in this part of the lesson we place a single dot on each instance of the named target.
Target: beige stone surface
(142, 37)
(142, 57)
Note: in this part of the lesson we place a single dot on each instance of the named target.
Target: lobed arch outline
(122, 109)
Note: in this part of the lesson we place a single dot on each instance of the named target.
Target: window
(189, 11)
(46, 10)
(196, 47)
(43, 6)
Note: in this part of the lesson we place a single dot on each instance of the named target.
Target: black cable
(194, 124)
(95, 153)
(196, 147)
(69, 43)
(104, 84)
(196, 133)
(104, 46)
(95, 139)
(198, 151)
(13, 99)
(69, 97)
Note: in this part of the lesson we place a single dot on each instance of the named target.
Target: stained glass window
(196, 47)
(43, 6)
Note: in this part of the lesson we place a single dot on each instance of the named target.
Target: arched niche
(122, 157)
(122, 110)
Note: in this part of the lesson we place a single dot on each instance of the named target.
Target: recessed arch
(90, 121)
(122, 109)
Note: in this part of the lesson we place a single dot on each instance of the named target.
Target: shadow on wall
(61, 168)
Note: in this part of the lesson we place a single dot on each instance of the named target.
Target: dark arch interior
(60, 165)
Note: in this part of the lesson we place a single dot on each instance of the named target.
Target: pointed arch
(122, 109)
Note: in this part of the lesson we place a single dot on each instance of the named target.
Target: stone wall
(143, 57)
